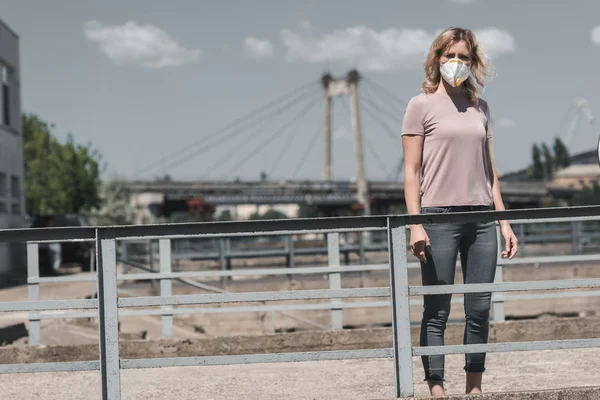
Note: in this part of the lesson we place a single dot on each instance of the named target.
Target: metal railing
(108, 302)
(165, 256)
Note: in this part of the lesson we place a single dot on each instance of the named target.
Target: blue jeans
(477, 244)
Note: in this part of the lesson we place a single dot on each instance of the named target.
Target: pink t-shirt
(455, 166)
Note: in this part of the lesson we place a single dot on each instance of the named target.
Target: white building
(12, 204)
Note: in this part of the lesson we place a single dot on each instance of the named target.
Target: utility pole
(348, 86)
(361, 185)
(326, 80)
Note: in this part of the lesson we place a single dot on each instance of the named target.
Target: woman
(448, 167)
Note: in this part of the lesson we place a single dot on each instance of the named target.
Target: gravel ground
(348, 380)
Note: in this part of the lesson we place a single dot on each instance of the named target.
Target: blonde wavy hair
(480, 68)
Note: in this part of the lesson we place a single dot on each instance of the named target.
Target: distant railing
(108, 301)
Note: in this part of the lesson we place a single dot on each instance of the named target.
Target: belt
(426, 210)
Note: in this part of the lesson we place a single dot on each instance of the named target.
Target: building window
(4, 78)
(3, 209)
(16, 209)
(3, 185)
(15, 190)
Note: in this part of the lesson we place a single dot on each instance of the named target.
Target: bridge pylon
(348, 86)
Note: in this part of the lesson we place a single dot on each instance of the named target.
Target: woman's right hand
(419, 242)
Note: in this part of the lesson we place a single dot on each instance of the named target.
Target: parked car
(54, 255)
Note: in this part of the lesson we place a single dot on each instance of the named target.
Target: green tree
(269, 214)
(225, 216)
(59, 178)
(548, 162)
(537, 168)
(561, 154)
(587, 196)
(116, 207)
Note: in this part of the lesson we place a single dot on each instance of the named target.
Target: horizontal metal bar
(42, 234)
(248, 227)
(251, 234)
(550, 296)
(202, 274)
(507, 347)
(50, 367)
(60, 241)
(262, 271)
(40, 305)
(63, 279)
(285, 226)
(556, 220)
(504, 286)
(216, 310)
(252, 296)
(550, 259)
(256, 358)
(480, 216)
(73, 315)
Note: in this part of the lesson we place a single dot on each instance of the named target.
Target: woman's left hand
(511, 241)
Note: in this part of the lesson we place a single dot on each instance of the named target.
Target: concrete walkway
(347, 380)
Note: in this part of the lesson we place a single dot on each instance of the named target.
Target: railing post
(361, 249)
(124, 259)
(290, 255)
(521, 237)
(222, 258)
(575, 237)
(166, 286)
(396, 233)
(335, 281)
(33, 291)
(108, 313)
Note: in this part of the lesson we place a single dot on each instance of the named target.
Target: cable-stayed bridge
(269, 136)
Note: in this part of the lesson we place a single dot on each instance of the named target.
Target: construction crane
(581, 110)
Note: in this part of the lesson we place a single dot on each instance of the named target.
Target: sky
(151, 83)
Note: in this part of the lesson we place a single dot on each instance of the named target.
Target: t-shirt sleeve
(488, 121)
(412, 123)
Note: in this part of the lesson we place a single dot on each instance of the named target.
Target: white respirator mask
(455, 71)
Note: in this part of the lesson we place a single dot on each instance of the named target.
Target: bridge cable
(261, 146)
(396, 117)
(308, 149)
(282, 153)
(389, 131)
(255, 113)
(384, 90)
(233, 133)
(370, 147)
(254, 135)
(395, 172)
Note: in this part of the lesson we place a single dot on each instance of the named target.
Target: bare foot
(437, 389)
(473, 382)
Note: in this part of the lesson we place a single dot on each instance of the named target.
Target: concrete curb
(583, 393)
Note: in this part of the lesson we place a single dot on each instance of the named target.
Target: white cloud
(496, 42)
(145, 45)
(505, 123)
(596, 35)
(368, 49)
(463, 1)
(258, 48)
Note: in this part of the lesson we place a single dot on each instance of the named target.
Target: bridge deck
(315, 192)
